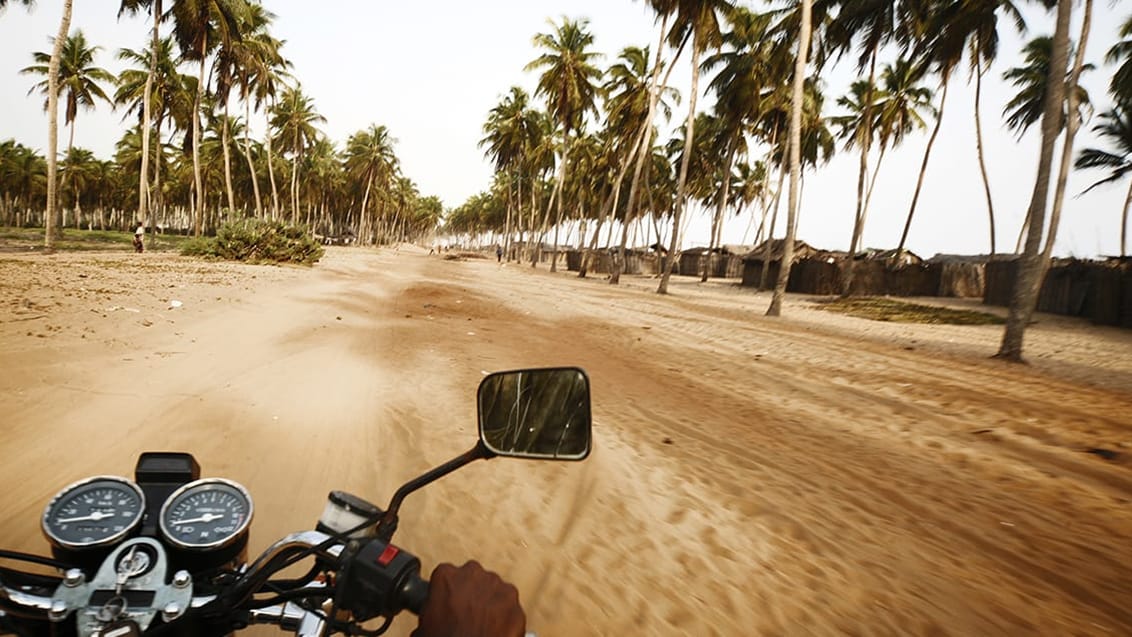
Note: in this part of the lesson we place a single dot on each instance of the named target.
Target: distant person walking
(498, 253)
(139, 238)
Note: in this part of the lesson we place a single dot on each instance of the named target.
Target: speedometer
(94, 512)
(206, 514)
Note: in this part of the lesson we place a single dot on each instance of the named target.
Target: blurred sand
(814, 474)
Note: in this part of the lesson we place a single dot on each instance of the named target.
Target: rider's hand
(470, 602)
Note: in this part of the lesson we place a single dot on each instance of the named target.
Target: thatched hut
(963, 276)
(753, 262)
(1098, 290)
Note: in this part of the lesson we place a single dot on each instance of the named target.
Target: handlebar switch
(374, 579)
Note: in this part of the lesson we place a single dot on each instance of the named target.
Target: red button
(387, 555)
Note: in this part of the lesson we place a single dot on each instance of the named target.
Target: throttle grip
(414, 593)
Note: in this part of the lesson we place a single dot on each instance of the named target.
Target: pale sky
(430, 72)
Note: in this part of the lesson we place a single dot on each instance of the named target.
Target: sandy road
(813, 475)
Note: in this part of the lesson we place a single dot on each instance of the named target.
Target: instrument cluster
(188, 514)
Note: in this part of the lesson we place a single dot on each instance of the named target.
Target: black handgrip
(414, 593)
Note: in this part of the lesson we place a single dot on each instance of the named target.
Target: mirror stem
(388, 524)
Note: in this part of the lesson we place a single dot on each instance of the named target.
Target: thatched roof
(801, 250)
(902, 257)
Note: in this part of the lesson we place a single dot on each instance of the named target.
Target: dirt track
(816, 474)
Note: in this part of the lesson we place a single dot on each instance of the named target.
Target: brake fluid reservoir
(347, 514)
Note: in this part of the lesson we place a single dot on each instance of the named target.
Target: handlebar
(373, 578)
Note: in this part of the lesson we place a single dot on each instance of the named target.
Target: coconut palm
(631, 106)
(511, 130)
(1115, 127)
(896, 109)
(293, 120)
(198, 26)
(699, 20)
(1031, 266)
(76, 79)
(370, 160)
(569, 84)
(155, 7)
(1025, 108)
(796, 105)
(1121, 55)
(170, 97)
(959, 27)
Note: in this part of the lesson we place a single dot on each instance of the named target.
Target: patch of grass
(885, 309)
(75, 240)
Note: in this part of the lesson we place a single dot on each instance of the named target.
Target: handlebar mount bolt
(181, 579)
(171, 611)
(73, 577)
(58, 610)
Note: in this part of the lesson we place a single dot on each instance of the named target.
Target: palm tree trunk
(295, 181)
(862, 176)
(979, 145)
(271, 175)
(248, 155)
(642, 146)
(562, 178)
(776, 300)
(682, 182)
(765, 273)
(199, 213)
(924, 167)
(1072, 124)
(159, 208)
(1030, 267)
(224, 134)
(717, 219)
(147, 101)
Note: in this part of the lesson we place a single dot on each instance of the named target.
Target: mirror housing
(541, 413)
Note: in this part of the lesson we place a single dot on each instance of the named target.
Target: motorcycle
(165, 553)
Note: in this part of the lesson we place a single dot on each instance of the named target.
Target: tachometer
(206, 514)
(94, 512)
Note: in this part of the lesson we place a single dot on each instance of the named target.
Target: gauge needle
(96, 516)
(207, 517)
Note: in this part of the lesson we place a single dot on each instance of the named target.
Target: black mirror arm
(388, 524)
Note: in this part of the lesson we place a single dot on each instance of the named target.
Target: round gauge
(206, 514)
(94, 512)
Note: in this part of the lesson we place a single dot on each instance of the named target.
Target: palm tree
(775, 308)
(1025, 108)
(133, 7)
(959, 26)
(1031, 266)
(256, 62)
(634, 95)
(699, 19)
(1121, 54)
(749, 65)
(896, 112)
(77, 79)
(1116, 127)
(511, 130)
(198, 26)
(370, 160)
(568, 82)
(293, 119)
(170, 96)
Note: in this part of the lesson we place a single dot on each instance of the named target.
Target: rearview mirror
(536, 413)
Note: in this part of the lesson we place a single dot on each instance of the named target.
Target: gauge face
(206, 514)
(94, 512)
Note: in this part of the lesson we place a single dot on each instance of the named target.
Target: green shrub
(257, 241)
